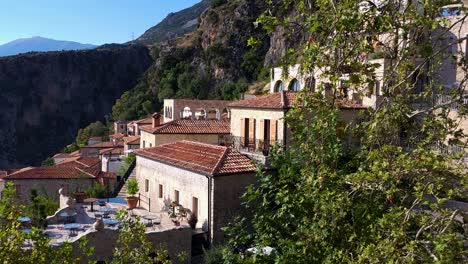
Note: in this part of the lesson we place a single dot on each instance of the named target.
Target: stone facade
(185, 108)
(149, 140)
(50, 187)
(219, 197)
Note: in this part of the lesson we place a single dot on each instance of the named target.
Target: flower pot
(80, 196)
(131, 202)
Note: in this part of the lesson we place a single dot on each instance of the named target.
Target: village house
(133, 128)
(208, 180)
(61, 157)
(77, 174)
(208, 131)
(120, 127)
(257, 124)
(94, 140)
(175, 109)
(131, 144)
(116, 137)
(94, 151)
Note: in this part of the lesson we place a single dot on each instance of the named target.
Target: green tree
(96, 129)
(13, 238)
(48, 162)
(383, 198)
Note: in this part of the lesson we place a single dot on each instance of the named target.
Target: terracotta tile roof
(200, 157)
(116, 136)
(107, 144)
(112, 151)
(95, 138)
(133, 140)
(144, 121)
(82, 162)
(188, 126)
(284, 100)
(54, 172)
(279, 100)
(62, 155)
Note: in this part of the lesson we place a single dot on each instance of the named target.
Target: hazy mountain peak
(40, 44)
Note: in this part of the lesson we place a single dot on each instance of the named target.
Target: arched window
(225, 114)
(310, 84)
(294, 85)
(279, 86)
(187, 112)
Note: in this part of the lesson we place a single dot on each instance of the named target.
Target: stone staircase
(123, 191)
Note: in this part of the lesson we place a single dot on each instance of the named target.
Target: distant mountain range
(24, 45)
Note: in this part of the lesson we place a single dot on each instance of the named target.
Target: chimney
(283, 102)
(156, 120)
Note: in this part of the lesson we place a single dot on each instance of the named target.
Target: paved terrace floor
(86, 219)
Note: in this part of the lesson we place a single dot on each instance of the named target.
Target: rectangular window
(146, 185)
(151, 145)
(176, 196)
(195, 206)
(144, 144)
(160, 191)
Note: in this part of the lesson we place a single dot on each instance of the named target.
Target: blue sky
(86, 21)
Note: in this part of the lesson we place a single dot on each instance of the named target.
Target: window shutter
(262, 129)
(273, 130)
(252, 129)
(242, 132)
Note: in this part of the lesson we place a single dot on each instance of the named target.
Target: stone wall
(173, 107)
(227, 201)
(50, 187)
(177, 241)
(159, 139)
(259, 114)
(189, 185)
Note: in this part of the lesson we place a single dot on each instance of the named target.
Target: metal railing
(249, 145)
(451, 149)
(147, 201)
(445, 99)
(124, 179)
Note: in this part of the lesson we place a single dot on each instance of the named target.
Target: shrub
(97, 191)
(213, 255)
(132, 187)
(216, 3)
(48, 162)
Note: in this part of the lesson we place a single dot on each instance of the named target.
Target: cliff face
(46, 97)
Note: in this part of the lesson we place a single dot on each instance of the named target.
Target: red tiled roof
(188, 126)
(284, 100)
(133, 140)
(144, 121)
(107, 144)
(95, 138)
(54, 172)
(61, 155)
(279, 100)
(200, 157)
(116, 136)
(113, 151)
(82, 162)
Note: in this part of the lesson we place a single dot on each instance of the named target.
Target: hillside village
(193, 160)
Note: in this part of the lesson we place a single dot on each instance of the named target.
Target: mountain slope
(46, 97)
(40, 44)
(175, 24)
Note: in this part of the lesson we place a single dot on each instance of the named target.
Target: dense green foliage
(48, 162)
(96, 129)
(133, 245)
(216, 3)
(132, 187)
(39, 207)
(381, 197)
(13, 238)
(97, 191)
(70, 148)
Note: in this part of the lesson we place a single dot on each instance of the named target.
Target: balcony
(446, 99)
(248, 145)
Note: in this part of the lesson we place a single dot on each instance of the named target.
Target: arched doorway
(294, 85)
(278, 86)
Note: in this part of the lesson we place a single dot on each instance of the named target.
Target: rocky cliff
(46, 97)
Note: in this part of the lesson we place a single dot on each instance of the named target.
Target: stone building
(208, 131)
(257, 124)
(207, 179)
(120, 127)
(194, 109)
(94, 151)
(131, 143)
(133, 128)
(72, 175)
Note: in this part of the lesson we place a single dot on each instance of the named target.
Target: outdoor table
(111, 222)
(72, 227)
(92, 201)
(106, 211)
(24, 219)
(151, 218)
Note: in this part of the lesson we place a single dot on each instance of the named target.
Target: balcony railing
(445, 99)
(249, 145)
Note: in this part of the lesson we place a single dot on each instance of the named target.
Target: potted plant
(132, 189)
(192, 221)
